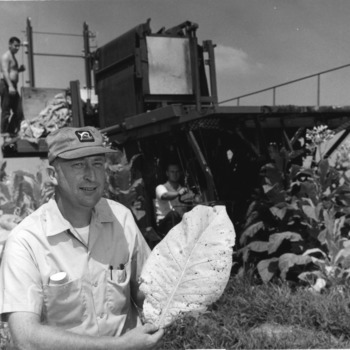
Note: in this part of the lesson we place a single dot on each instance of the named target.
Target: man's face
(14, 47)
(173, 173)
(80, 182)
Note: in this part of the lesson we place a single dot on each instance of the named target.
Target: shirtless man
(10, 98)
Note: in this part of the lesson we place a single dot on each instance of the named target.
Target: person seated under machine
(170, 199)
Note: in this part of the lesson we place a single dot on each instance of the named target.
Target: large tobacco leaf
(189, 269)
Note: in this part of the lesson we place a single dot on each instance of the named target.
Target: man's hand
(182, 191)
(12, 90)
(21, 68)
(144, 337)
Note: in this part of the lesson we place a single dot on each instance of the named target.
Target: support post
(318, 90)
(29, 33)
(209, 47)
(77, 108)
(87, 56)
(194, 65)
(263, 147)
(212, 193)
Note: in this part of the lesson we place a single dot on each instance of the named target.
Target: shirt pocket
(118, 291)
(65, 304)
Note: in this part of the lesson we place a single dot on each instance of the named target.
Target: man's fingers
(182, 191)
(150, 328)
(155, 332)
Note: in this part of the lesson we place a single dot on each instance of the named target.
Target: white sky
(260, 43)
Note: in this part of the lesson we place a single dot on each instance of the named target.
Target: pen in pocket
(122, 266)
(119, 273)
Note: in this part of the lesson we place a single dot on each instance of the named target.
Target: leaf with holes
(189, 269)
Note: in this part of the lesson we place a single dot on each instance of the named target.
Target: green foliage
(4, 336)
(23, 192)
(124, 184)
(298, 224)
(20, 194)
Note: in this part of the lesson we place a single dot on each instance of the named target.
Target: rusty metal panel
(119, 76)
(169, 65)
(117, 98)
(123, 46)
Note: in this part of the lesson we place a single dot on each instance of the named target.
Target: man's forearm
(6, 77)
(28, 333)
(41, 337)
(8, 80)
(5, 68)
(170, 195)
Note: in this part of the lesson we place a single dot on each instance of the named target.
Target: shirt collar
(56, 223)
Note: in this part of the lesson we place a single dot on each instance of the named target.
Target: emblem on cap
(85, 136)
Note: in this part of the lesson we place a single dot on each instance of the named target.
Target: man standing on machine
(11, 104)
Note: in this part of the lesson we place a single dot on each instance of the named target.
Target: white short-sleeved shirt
(163, 207)
(102, 278)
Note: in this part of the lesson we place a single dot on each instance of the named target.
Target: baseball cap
(72, 143)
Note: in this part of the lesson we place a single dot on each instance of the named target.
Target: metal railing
(274, 88)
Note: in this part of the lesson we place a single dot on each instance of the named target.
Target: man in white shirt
(69, 273)
(168, 205)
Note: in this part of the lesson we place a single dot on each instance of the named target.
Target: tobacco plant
(297, 227)
(126, 185)
(20, 194)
